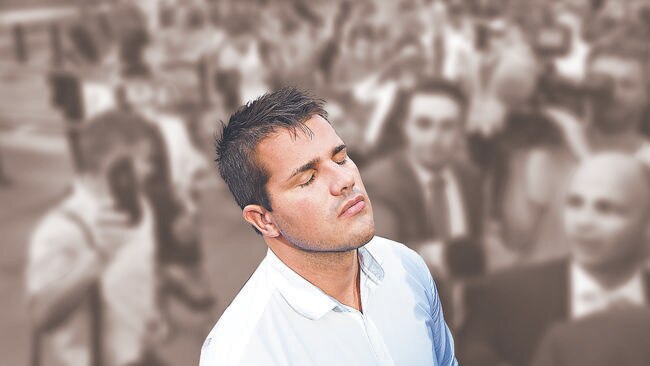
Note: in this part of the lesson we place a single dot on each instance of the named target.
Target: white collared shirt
(128, 281)
(589, 297)
(457, 217)
(279, 318)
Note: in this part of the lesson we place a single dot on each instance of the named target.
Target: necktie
(438, 54)
(438, 208)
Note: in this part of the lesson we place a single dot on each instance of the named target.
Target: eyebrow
(312, 163)
(305, 167)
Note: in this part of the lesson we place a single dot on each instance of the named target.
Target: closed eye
(340, 155)
(311, 179)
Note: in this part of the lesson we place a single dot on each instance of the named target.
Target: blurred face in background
(606, 214)
(623, 110)
(433, 129)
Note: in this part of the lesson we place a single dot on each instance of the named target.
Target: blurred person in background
(174, 191)
(4, 178)
(618, 336)
(572, 65)
(241, 73)
(606, 217)
(182, 279)
(425, 195)
(451, 42)
(91, 271)
(613, 121)
(328, 291)
(384, 96)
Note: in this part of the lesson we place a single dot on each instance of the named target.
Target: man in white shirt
(606, 215)
(329, 292)
(91, 265)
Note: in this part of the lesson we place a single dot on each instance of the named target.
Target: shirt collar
(82, 194)
(588, 296)
(303, 296)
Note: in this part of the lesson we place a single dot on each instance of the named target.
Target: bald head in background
(606, 213)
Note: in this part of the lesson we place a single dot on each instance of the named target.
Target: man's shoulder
(56, 224)
(506, 283)
(227, 341)
(387, 251)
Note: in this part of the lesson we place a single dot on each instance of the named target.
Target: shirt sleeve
(443, 341)
(54, 249)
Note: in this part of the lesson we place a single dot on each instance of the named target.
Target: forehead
(434, 106)
(623, 188)
(283, 151)
(616, 65)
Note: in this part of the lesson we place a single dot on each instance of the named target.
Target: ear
(261, 219)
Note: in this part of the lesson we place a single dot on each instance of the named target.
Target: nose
(436, 137)
(583, 219)
(342, 180)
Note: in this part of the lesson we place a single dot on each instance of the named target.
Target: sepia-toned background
(523, 67)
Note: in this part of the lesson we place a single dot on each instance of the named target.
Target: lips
(353, 206)
(587, 242)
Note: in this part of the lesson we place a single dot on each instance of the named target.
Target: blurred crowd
(467, 118)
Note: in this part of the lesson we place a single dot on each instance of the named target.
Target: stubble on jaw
(318, 256)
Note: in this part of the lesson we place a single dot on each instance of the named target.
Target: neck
(93, 185)
(336, 273)
(611, 278)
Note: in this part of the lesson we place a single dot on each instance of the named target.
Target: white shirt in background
(127, 284)
(589, 297)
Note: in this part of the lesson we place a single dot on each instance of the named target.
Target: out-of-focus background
(522, 65)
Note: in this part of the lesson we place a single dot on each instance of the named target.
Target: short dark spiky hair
(286, 108)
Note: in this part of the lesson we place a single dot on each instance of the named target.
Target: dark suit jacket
(508, 313)
(610, 338)
(392, 182)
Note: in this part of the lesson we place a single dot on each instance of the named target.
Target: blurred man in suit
(439, 200)
(613, 337)
(425, 196)
(606, 221)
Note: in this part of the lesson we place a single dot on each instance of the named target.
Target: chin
(589, 260)
(360, 237)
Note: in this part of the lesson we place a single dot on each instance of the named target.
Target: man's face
(604, 220)
(433, 129)
(629, 97)
(318, 199)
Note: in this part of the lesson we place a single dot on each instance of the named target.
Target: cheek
(301, 208)
(450, 140)
(614, 229)
(569, 219)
